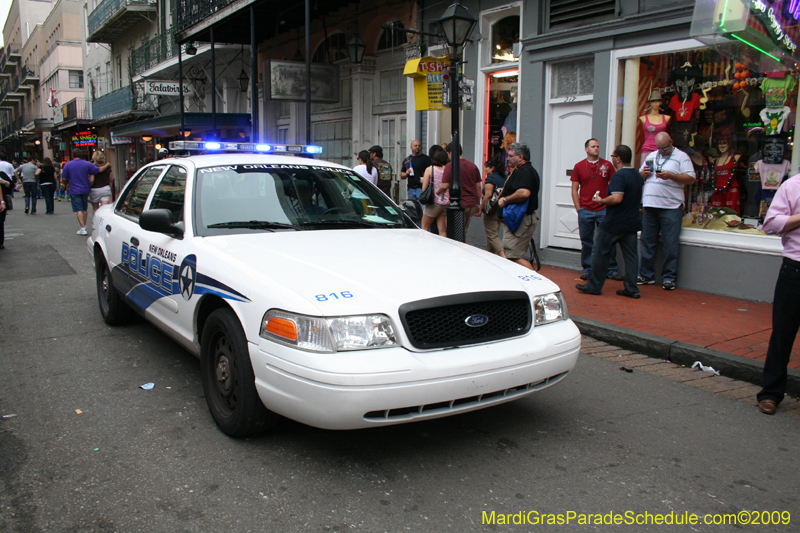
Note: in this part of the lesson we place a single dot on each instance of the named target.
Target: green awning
(170, 124)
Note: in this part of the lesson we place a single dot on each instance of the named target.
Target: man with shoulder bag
(519, 202)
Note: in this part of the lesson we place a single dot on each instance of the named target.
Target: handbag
(490, 208)
(513, 214)
(9, 202)
(427, 196)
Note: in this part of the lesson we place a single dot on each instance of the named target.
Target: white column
(363, 82)
(795, 146)
(630, 109)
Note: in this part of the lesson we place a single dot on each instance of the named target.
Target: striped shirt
(666, 194)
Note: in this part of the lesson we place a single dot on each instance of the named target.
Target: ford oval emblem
(476, 321)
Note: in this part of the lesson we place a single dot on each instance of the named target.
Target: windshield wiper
(253, 224)
(339, 222)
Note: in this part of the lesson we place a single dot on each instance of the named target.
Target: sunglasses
(666, 148)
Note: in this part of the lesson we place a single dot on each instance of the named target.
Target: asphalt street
(84, 448)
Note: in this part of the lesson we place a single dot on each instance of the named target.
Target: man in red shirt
(470, 184)
(590, 177)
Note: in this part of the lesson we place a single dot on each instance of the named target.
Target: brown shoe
(584, 277)
(768, 407)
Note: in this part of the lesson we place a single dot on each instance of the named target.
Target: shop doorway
(394, 142)
(570, 124)
(500, 121)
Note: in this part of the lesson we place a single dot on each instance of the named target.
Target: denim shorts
(80, 202)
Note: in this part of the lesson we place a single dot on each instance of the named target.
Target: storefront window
(572, 78)
(735, 124)
(502, 111)
(505, 33)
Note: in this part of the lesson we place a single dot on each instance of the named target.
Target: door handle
(134, 241)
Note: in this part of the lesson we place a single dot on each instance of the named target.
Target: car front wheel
(114, 310)
(228, 379)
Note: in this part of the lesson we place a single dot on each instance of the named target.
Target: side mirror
(160, 221)
(413, 209)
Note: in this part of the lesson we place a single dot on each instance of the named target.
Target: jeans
(30, 189)
(785, 323)
(48, 189)
(588, 221)
(413, 194)
(668, 222)
(604, 244)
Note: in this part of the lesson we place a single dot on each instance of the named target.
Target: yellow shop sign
(427, 75)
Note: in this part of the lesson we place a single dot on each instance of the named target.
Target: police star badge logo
(188, 276)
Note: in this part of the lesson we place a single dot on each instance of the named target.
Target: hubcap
(224, 380)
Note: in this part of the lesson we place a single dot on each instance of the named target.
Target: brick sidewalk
(720, 385)
(731, 325)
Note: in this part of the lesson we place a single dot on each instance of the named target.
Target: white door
(571, 124)
(394, 143)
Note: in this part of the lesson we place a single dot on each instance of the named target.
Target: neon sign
(84, 138)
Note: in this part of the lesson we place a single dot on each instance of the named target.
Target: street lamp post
(457, 23)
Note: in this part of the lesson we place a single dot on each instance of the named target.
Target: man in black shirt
(521, 186)
(413, 169)
(620, 225)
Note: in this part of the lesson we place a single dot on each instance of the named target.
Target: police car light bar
(244, 147)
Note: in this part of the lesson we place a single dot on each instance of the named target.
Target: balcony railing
(152, 52)
(28, 76)
(111, 18)
(190, 12)
(127, 99)
(10, 59)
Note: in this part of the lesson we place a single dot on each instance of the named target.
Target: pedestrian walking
(102, 184)
(413, 168)
(495, 179)
(46, 175)
(522, 189)
(666, 172)
(783, 218)
(27, 173)
(6, 187)
(434, 177)
(590, 177)
(620, 225)
(80, 174)
(384, 169)
(365, 168)
(470, 178)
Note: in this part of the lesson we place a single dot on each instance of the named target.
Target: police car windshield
(280, 197)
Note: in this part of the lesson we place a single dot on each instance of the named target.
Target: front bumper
(351, 390)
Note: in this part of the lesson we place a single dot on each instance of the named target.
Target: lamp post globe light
(457, 24)
(356, 48)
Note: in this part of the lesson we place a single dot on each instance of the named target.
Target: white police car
(307, 293)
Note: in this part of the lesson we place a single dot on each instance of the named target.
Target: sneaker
(26, 211)
(644, 281)
(584, 277)
(82, 231)
(585, 290)
(634, 295)
(668, 285)
(616, 277)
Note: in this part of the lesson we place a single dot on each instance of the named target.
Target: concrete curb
(729, 365)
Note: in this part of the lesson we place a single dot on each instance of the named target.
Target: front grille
(481, 400)
(441, 322)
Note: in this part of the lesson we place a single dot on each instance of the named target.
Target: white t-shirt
(362, 169)
(772, 174)
(666, 194)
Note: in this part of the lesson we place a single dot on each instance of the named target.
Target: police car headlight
(327, 335)
(549, 308)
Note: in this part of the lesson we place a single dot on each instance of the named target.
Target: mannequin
(726, 187)
(653, 123)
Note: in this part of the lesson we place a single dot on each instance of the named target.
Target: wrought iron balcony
(112, 18)
(10, 59)
(190, 12)
(28, 76)
(130, 99)
(152, 52)
(75, 109)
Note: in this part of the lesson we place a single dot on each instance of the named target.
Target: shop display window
(502, 113)
(736, 125)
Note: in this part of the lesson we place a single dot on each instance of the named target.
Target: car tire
(113, 308)
(228, 379)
